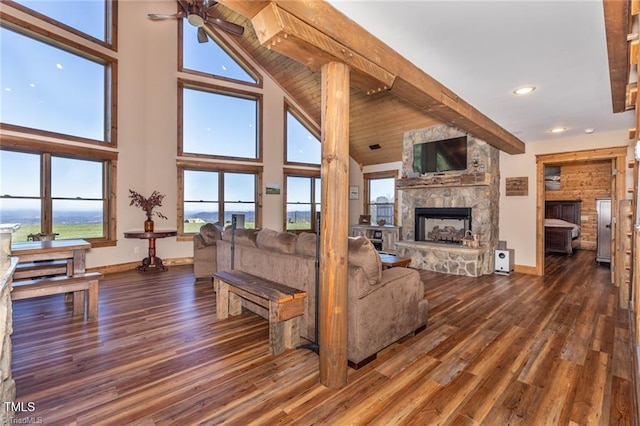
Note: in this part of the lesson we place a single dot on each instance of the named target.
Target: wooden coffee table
(390, 261)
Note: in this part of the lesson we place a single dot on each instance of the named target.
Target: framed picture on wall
(354, 192)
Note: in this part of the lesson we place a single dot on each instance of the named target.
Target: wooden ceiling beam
(617, 24)
(313, 33)
(281, 31)
(442, 104)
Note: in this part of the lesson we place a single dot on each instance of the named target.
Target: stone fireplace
(467, 200)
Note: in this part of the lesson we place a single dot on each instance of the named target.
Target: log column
(334, 225)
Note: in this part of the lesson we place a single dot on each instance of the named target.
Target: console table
(151, 260)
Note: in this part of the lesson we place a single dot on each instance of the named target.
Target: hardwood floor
(498, 350)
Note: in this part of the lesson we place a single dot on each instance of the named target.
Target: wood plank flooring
(497, 350)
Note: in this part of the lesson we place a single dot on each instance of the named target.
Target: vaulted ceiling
(389, 95)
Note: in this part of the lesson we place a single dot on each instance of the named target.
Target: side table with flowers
(148, 205)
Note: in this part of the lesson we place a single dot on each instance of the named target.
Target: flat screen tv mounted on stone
(440, 156)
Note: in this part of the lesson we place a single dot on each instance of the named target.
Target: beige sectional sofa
(383, 306)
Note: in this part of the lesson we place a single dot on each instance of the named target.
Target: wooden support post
(334, 225)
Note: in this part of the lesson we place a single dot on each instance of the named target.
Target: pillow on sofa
(362, 253)
(246, 237)
(283, 242)
(306, 244)
(211, 232)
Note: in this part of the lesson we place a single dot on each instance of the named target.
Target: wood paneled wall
(586, 181)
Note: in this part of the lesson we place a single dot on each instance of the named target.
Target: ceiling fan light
(195, 20)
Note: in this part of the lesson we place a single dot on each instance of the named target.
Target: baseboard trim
(523, 269)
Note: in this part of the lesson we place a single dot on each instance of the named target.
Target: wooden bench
(280, 304)
(86, 307)
(43, 268)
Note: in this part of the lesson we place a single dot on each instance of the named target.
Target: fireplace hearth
(447, 225)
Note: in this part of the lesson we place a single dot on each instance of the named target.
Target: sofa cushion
(211, 232)
(362, 253)
(242, 236)
(306, 244)
(283, 242)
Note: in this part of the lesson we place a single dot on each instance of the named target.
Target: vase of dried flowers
(148, 204)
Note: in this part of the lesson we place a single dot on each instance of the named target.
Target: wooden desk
(73, 251)
(151, 259)
(390, 261)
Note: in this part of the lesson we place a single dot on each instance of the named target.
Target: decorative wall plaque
(517, 186)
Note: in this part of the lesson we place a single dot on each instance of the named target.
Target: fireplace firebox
(442, 224)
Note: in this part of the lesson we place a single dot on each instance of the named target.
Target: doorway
(615, 156)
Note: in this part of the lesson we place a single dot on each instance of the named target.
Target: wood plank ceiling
(389, 95)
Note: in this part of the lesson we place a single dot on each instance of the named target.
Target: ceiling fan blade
(160, 16)
(229, 27)
(202, 35)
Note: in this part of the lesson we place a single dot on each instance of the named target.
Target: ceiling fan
(197, 14)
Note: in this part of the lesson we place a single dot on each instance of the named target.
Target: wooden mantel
(314, 33)
(445, 180)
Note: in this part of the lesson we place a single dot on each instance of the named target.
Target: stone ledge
(443, 258)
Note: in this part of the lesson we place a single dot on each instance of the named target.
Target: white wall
(518, 213)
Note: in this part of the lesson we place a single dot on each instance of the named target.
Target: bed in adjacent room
(562, 226)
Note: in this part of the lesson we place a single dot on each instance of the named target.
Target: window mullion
(221, 197)
(45, 191)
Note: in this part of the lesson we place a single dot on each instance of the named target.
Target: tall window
(213, 58)
(90, 18)
(381, 196)
(58, 86)
(219, 123)
(48, 88)
(49, 193)
(216, 195)
(303, 202)
(302, 144)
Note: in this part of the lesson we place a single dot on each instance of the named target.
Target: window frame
(220, 168)
(226, 91)
(110, 97)
(368, 177)
(316, 207)
(308, 124)
(111, 26)
(229, 50)
(46, 150)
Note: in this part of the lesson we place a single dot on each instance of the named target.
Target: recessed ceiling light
(524, 90)
(589, 130)
(558, 129)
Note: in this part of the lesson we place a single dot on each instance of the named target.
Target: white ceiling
(484, 50)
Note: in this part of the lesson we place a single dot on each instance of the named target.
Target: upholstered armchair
(205, 250)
